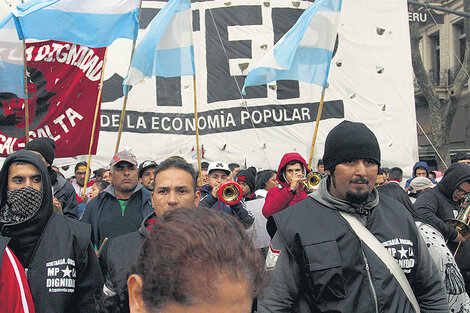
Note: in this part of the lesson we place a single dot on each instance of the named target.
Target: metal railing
(443, 78)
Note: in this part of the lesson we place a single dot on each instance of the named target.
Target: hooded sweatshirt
(415, 167)
(436, 206)
(278, 199)
(25, 235)
(62, 270)
(360, 211)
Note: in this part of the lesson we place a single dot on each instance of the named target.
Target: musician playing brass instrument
(291, 175)
(217, 173)
(442, 203)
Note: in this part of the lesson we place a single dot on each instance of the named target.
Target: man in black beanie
(64, 197)
(246, 179)
(318, 263)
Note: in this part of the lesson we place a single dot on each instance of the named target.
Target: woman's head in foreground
(195, 260)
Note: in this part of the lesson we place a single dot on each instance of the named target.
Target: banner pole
(124, 104)
(197, 133)
(26, 104)
(95, 118)
(121, 123)
(317, 124)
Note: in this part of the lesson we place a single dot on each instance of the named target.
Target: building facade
(442, 50)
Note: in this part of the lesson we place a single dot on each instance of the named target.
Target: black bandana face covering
(21, 205)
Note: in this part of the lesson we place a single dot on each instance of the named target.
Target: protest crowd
(345, 234)
(164, 237)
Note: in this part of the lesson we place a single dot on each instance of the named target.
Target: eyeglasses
(462, 192)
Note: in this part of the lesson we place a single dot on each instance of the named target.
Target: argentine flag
(93, 23)
(304, 53)
(11, 58)
(167, 47)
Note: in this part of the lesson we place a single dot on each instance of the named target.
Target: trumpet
(230, 192)
(461, 222)
(313, 179)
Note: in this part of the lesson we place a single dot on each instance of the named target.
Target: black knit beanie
(45, 146)
(248, 176)
(348, 141)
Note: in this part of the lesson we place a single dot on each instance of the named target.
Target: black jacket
(64, 192)
(62, 269)
(394, 190)
(120, 254)
(318, 264)
(436, 206)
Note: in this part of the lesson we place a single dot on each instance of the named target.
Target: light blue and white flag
(11, 58)
(167, 47)
(304, 53)
(93, 23)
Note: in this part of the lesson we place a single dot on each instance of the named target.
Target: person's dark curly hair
(188, 253)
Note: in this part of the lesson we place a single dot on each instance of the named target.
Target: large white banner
(370, 81)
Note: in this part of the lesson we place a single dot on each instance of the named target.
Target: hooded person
(441, 203)
(317, 261)
(62, 190)
(420, 169)
(62, 270)
(291, 174)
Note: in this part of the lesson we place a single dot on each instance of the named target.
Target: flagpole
(26, 104)
(124, 105)
(197, 133)
(95, 118)
(317, 124)
(196, 121)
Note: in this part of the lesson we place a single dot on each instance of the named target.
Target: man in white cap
(218, 173)
(147, 173)
(121, 207)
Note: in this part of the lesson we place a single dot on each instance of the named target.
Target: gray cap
(420, 184)
(123, 156)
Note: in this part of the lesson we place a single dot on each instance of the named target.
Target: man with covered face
(63, 192)
(316, 260)
(55, 251)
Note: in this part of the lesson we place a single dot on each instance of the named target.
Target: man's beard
(359, 197)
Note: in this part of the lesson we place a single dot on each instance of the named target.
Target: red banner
(63, 84)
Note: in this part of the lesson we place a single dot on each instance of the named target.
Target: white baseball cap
(221, 166)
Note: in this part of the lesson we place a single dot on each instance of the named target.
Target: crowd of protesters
(148, 237)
